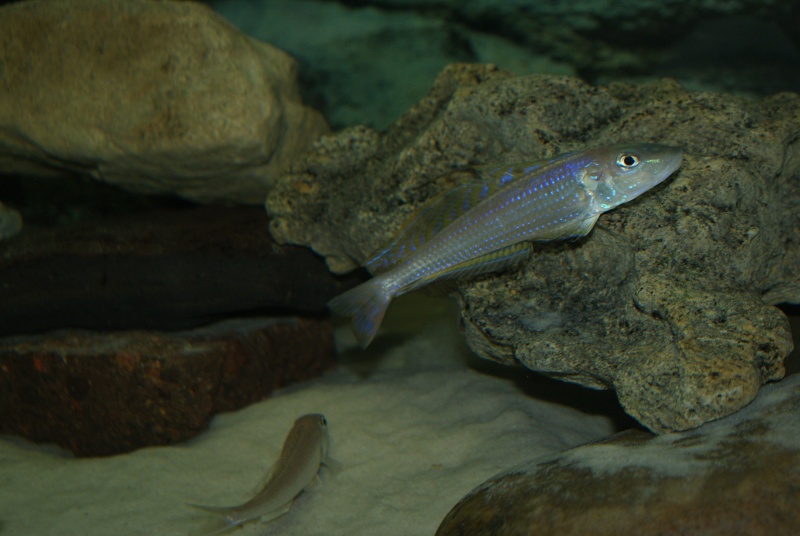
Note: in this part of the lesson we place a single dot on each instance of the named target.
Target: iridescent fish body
(487, 224)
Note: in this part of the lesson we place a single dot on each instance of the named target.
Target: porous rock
(156, 97)
(102, 394)
(669, 301)
(735, 476)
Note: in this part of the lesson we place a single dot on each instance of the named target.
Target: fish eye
(627, 160)
(324, 421)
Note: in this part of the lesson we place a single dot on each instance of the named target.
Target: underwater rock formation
(103, 370)
(735, 476)
(103, 394)
(156, 97)
(669, 301)
(156, 269)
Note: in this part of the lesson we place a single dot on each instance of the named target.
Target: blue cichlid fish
(487, 224)
(304, 451)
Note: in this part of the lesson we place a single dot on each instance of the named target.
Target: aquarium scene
(399, 267)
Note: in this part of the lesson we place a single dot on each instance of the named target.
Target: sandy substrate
(414, 424)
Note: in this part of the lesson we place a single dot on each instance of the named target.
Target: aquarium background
(397, 410)
(365, 62)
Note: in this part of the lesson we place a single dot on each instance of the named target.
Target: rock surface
(158, 270)
(104, 394)
(669, 301)
(152, 96)
(738, 475)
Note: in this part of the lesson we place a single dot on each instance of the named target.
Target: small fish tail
(366, 304)
(228, 520)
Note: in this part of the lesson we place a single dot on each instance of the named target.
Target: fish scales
(521, 211)
(483, 226)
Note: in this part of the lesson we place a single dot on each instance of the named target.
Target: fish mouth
(670, 161)
(673, 162)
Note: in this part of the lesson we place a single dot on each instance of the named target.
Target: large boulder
(156, 97)
(670, 301)
(735, 476)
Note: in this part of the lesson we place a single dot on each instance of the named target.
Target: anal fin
(491, 262)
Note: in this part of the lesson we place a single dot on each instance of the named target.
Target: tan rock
(736, 476)
(156, 97)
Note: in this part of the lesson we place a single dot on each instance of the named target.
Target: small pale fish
(489, 223)
(304, 451)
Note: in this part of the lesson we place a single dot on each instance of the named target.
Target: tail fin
(366, 303)
(228, 522)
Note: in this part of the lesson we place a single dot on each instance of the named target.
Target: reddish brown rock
(736, 476)
(161, 270)
(103, 394)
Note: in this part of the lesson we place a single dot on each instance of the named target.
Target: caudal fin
(229, 518)
(366, 303)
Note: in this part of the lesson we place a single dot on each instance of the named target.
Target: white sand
(414, 427)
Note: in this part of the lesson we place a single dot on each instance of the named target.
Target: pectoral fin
(333, 466)
(314, 484)
(584, 226)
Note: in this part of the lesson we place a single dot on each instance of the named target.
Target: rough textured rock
(103, 394)
(669, 300)
(734, 476)
(151, 96)
(161, 270)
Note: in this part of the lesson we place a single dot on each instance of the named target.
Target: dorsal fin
(443, 209)
(432, 218)
(508, 173)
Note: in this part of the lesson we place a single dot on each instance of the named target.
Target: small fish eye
(324, 421)
(627, 160)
